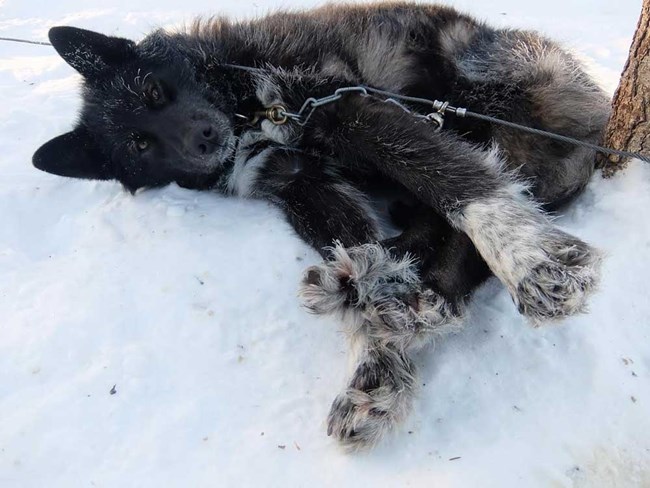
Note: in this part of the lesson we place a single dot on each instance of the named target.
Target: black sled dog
(461, 202)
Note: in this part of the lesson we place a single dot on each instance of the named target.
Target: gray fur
(456, 37)
(366, 285)
(563, 98)
(549, 273)
(346, 283)
(411, 321)
(384, 60)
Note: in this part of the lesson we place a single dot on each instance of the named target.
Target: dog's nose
(204, 140)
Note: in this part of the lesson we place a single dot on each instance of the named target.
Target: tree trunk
(629, 125)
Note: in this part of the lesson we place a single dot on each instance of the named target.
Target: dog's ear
(90, 52)
(74, 154)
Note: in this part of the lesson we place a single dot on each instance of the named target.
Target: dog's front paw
(354, 277)
(327, 288)
(560, 284)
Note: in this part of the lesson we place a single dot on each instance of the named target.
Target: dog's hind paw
(559, 285)
(355, 421)
(379, 396)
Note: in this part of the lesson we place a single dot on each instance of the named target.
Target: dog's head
(147, 119)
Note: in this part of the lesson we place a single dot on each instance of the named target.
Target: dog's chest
(251, 156)
(254, 148)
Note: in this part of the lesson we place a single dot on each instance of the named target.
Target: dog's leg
(370, 283)
(319, 204)
(379, 394)
(548, 272)
(383, 384)
(408, 287)
(377, 291)
(450, 270)
(336, 219)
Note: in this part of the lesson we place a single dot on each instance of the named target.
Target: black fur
(170, 109)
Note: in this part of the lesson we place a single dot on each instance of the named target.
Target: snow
(185, 301)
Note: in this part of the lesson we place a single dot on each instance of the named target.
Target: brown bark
(629, 125)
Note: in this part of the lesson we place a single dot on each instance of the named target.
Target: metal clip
(437, 119)
(277, 114)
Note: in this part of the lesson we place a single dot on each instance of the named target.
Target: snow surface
(185, 301)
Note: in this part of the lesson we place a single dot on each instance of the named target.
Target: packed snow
(156, 340)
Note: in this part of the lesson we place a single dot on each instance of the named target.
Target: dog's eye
(140, 144)
(154, 93)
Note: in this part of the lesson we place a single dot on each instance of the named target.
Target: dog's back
(436, 52)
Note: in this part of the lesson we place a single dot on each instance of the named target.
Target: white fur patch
(246, 170)
(277, 133)
(506, 231)
(549, 273)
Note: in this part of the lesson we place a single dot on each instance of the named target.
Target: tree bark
(628, 128)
